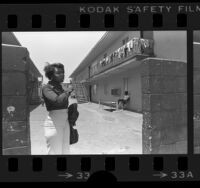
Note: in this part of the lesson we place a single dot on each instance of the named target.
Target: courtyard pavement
(100, 131)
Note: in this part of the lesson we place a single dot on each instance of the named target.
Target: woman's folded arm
(55, 99)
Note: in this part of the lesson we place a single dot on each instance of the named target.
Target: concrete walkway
(100, 131)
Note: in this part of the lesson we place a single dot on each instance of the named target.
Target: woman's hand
(68, 90)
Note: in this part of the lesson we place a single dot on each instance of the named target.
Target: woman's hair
(49, 69)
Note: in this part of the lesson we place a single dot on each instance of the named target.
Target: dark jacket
(73, 114)
(54, 96)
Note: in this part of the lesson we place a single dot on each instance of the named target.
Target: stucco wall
(164, 98)
(15, 122)
(170, 45)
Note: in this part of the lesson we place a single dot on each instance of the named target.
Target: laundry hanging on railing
(145, 43)
(135, 45)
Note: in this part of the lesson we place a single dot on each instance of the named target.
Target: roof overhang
(125, 66)
(106, 40)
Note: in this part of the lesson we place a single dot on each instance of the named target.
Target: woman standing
(56, 126)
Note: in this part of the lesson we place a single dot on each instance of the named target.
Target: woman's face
(58, 75)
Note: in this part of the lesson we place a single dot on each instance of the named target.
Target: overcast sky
(69, 48)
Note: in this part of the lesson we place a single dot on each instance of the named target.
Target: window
(116, 92)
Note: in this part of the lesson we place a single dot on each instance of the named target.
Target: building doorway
(90, 93)
(125, 83)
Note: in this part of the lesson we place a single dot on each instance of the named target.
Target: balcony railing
(136, 46)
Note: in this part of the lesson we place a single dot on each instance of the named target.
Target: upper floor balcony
(136, 47)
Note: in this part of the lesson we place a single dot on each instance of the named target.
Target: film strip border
(99, 17)
(77, 168)
(112, 168)
(85, 21)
